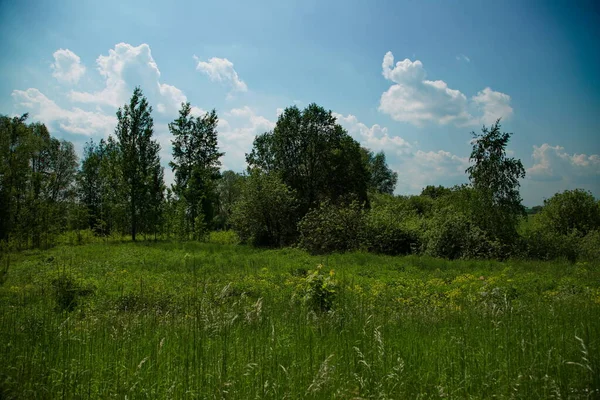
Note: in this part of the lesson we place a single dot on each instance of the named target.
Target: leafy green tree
(313, 155)
(495, 178)
(266, 212)
(229, 191)
(196, 163)
(36, 182)
(435, 192)
(139, 155)
(381, 178)
(572, 211)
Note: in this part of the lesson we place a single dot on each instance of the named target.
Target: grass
(207, 320)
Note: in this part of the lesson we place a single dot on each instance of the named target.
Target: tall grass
(172, 320)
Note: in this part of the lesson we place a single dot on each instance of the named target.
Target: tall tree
(313, 155)
(381, 178)
(196, 163)
(139, 155)
(495, 178)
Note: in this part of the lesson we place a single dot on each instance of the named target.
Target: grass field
(205, 320)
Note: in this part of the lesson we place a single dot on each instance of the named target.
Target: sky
(412, 79)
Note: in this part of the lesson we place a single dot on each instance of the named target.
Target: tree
(229, 191)
(495, 178)
(381, 178)
(196, 163)
(570, 212)
(139, 154)
(265, 214)
(313, 155)
(36, 182)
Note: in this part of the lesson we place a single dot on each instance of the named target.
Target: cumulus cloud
(553, 163)
(376, 137)
(74, 120)
(221, 70)
(67, 67)
(236, 134)
(416, 100)
(124, 68)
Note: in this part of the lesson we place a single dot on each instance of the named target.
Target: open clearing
(205, 320)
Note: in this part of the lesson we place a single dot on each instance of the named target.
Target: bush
(331, 228)
(453, 235)
(265, 214)
(541, 243)
(68, 291)
(589, 247)
(224, 237)
(390, 232)
(318, 290)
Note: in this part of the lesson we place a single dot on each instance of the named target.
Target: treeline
(308, 183)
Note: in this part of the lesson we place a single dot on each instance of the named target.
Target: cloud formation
(376, 137)
(67, 67)
(75, 120)
(124, 68)
(419, 101)
(221, 70)
(553, 163)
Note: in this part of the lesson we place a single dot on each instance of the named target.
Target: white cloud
(75, 120)
(124, 68)
(237, 133)
(376, 137)
(221, 69)
(416, 100)
(462, 57)
(493, 104)
(67, 67)
(553, 163)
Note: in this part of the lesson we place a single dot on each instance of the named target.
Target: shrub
(390, 232)
(224, 237)
(332, 228)
(453, 235)
(589, 247)
(265, 214)
(318, 290)
(68, 291)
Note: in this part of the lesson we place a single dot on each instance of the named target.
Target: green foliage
(223, 237)
(572, 211)
(266, 213)
(495, 178)
(68, 292)
(393, 225)
(317, 290)
(140, 161)
(204, 320)
(313, 155)
(332, 228)
(196, 162)
(589, 247)
(382, 178)
(37, 173)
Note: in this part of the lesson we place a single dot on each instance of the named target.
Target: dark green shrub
(332, 228)
(318, 290)
(68, 291)
(589, 247)
(389, 232)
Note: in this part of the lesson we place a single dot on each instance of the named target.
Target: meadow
(218, 320)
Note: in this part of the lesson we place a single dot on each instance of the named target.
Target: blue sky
(410, 78)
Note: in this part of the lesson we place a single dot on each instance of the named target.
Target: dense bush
(589, 247)
(569, 211)
(332, 228)
(265, 214)
(453, 235)
(393, 226)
